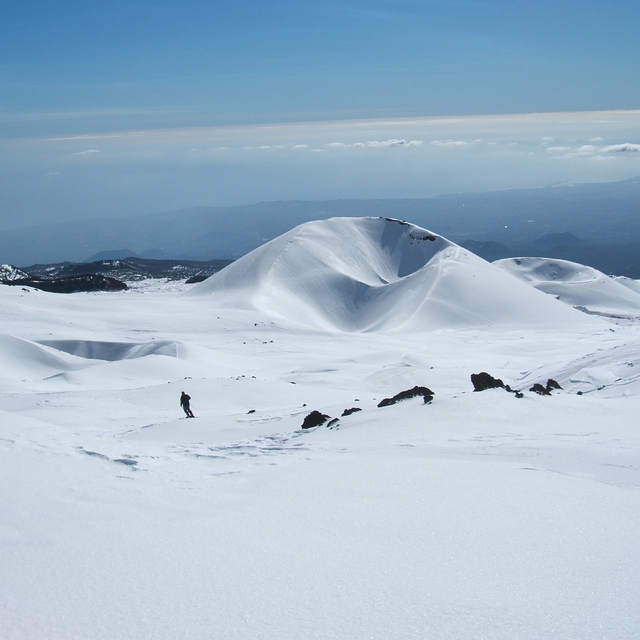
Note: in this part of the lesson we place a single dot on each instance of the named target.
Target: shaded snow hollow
(368, 274)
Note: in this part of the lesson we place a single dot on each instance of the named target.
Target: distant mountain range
(603, 215)
(127, 270)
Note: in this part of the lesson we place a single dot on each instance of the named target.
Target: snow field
(479, 516)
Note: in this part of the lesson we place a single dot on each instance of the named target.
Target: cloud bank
(132, 172)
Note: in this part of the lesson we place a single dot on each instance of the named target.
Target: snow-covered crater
(367, 274)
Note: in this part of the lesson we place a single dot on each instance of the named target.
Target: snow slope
(367, 274)
(479, 516)
(576, 284)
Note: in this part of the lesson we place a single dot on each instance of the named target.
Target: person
(184, 403)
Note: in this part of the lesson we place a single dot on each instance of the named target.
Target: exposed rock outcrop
(425, 392)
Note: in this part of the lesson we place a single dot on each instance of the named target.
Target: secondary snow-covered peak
(9, 273)
(575, 284)
(364, 274)
(539, 270)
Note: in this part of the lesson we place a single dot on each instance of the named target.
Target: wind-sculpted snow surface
(367, 274)
(576, 284)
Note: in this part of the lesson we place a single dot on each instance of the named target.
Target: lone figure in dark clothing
(184, 403)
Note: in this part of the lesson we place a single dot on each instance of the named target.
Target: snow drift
(367, 274)
(575, 284)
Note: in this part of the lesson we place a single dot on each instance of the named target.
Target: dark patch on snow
(315, 419)
(95, 454)
(423, 236)
(545, 391)
(251, 411)
(401, 222)
(127, 461)
(332, 422)
(483, 381)
(72, 284)
(200, 277)
(426, 394)
(348, 412)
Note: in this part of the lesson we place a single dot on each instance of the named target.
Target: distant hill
(600, 214)
(128, 270)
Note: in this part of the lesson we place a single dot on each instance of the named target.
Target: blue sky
(72, 68)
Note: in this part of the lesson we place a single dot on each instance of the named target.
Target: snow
(577, 285)
(364, 274)
(477, 516)
(9, 273)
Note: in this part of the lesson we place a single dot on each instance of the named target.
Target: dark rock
(540, 390)
(251, 411)
(426, 393)
(348, 412)
(332, 422)
(545, 391)
(483, 381)
(315, 419)
(552, 384)
(422, 236)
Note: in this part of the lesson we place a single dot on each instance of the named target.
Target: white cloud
(453, 143)
(87, 152)
(586, 148)
(621, 148)
(598, 139)
(376, 144)
(300, 146)
(558, 149)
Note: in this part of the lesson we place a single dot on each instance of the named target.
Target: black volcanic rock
(545, 391)
(540, 390)
(315, 419)
(483, 381)
(348, 412)
(425, 392)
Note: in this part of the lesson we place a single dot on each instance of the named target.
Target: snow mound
(575, 284)
(368, 274)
